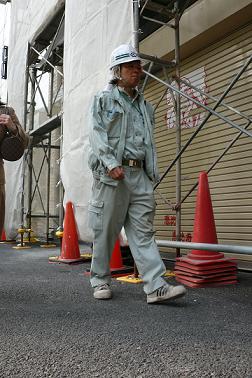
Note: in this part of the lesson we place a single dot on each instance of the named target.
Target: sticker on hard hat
(132, 54)
(122, 56)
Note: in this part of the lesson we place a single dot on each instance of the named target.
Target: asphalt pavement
(52, 327)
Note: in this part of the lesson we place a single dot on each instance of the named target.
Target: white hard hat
(123, 54)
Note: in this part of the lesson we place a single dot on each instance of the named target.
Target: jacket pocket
(113, 120)
(95, 211)
(93, 161)
(105, 179)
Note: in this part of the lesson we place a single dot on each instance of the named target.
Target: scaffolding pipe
(136, 5)
(143, 6)
(59, 185)
(36, 187)
(42, 97)
(30, 157)
(146, 78)
(206, 118)
(49, 112)
(159, 22)
(210, 110)
(48, 188)
(215, 99)
(206, 247)
(28, 152)
(135, 37)
(157, 60)
(178, 125)
(217, 160)
(47, 61)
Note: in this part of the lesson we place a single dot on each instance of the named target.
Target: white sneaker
(102, 292)
(166, 292)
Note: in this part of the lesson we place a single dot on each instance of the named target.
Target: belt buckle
(131, 163)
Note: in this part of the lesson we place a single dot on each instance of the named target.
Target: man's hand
(5, 120)
(117, 173)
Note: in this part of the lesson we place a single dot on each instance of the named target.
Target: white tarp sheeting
(92, 30)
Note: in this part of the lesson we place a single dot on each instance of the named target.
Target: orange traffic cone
(3, 236)
(116, 258)
(205, 268)
(116, 263)
(70, 251)
(204, 230)
(4, 240)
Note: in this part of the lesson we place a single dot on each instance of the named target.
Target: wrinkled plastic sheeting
(21, 32)
(14, 189)
(92, 30)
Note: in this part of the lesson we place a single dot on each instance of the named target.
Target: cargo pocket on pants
(95, 211)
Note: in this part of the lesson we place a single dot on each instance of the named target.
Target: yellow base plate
(48, 245)
(32, 240)
(135, 280)
(8, 242)
(169, 273)
(130, 279)
(84, 256)
(22, 247)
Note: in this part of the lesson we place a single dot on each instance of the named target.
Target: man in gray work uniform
(123, 162)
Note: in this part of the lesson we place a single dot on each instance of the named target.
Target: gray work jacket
(108, 131)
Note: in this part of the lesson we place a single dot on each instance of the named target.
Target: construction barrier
(201, 268)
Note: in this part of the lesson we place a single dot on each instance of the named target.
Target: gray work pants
(130, 204)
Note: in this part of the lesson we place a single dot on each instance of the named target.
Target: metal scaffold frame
(175, 9)
(44, 59)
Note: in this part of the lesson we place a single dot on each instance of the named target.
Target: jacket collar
(118, 97)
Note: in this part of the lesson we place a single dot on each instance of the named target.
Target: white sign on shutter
(191, 113)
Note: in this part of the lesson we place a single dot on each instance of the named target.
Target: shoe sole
(159, 300)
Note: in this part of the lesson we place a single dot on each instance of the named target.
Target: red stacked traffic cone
(116, 263)
(70, 251)
(205, 268)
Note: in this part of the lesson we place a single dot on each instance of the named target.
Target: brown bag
(3, 110)
(11, 146)
(2, 133)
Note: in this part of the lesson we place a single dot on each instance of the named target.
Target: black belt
(133, 163)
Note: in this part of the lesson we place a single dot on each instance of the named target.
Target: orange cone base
(85, 257)
(219, 262)
(69, 261)
(205, 268)
(203, 273)
(197, 283)
(208, 272)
